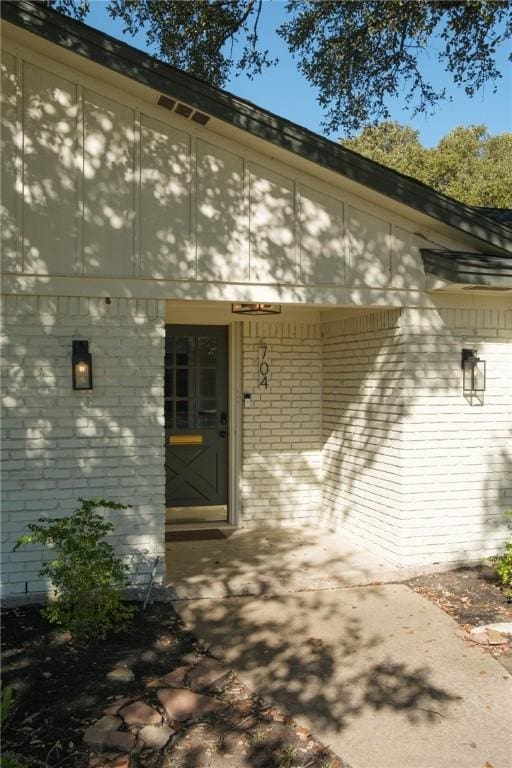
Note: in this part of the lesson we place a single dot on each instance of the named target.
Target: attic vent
(199, 117)
(183, 109)
(165, 101)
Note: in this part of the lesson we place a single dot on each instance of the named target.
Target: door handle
(223, 433)
(223, 418)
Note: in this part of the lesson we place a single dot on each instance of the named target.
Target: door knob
(223, 433)
(223, 418)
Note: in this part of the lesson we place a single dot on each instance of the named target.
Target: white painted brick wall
(281, 467)
(411, 467)
(363, 360)
(59, 444)
(457, 455)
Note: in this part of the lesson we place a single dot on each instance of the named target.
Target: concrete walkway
(378, 673)
(255, 562)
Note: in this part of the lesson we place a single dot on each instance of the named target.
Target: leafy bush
(87, 576)
(503, 565)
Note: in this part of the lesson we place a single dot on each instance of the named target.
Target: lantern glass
(479, 376)
(81, 375)
(82, 365)
(467, 373)
(473, 372)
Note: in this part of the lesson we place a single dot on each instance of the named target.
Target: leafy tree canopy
(468, 164)
(357, 54)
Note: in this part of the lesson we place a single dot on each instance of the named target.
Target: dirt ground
(61, 687)
(473, 597)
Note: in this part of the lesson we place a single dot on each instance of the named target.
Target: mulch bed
(473, 596)
(61, 687)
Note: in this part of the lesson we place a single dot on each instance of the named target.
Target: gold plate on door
(185, 440)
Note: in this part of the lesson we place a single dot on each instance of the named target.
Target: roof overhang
(469, 269)
(123, 59)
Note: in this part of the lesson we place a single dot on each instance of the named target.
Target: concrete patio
(274, 560)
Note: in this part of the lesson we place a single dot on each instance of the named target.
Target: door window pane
(169, 383)
(182, 379)
(169, 414)
(206, 350)
(184, 414)
(184, 347)
(207, 413)
(207, 382)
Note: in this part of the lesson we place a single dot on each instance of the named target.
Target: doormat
(197, 535)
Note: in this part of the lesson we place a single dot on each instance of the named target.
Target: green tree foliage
(468, 164)
(357, 54)
(87, 576)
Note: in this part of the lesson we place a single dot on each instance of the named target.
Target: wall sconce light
(256, 309)
(81, 365)
(473, 372)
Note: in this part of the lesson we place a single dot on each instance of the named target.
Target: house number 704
(263, 366)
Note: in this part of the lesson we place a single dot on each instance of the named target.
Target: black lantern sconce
(81, 365)
(256, 309)
(473, 372)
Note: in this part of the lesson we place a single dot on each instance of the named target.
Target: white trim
(235, 422)
(19, 163)
(206, 316)
(137, 191)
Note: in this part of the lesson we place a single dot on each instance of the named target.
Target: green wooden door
(196, 422)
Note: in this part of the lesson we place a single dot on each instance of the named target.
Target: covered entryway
(196, 423)
(254, 561)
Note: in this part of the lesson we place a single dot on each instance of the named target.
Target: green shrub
(6, 759)
(503, 565)
(87, 576)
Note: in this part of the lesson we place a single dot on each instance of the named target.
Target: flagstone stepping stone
(96, 733)
(122, 761)
(139, 713)
(156, 736)
(181, 704)
(504, 627)
(176, 678)
(121, 740)
(100, 761)
(121, 675)
(495, 638)
(114, 708)
(206, 674)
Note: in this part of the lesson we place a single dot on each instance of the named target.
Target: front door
(196, 423)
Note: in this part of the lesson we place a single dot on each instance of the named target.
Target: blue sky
(283, 90)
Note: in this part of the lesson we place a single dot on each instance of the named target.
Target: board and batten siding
(98, 187)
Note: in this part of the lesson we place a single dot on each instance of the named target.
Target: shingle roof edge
(469, 268)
